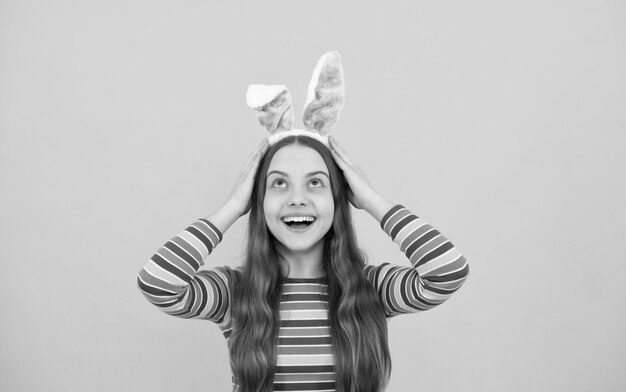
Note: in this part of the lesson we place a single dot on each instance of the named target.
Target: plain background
(501, 124)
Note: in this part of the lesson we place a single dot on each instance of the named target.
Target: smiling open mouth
(298, 222)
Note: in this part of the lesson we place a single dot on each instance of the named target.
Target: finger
(334, 151)
(261, 150)
(257, 154)
(255, 160)
(251, 156)
(263, 146)
(340, 162)
(339, 150)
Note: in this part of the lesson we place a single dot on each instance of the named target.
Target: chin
(295, 246)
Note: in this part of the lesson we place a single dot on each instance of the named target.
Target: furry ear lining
(274, 106)
(325, 95)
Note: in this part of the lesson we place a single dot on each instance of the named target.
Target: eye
(316, 183)
(279, 183)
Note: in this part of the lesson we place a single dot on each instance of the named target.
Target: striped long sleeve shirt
(172, 281)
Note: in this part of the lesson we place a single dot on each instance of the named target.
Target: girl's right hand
(240, 196)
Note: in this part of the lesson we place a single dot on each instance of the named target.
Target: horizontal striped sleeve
(437, 268)
(171, 281)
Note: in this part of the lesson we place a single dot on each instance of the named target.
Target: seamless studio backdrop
(503, 125)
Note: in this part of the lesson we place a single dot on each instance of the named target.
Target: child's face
(298, 201)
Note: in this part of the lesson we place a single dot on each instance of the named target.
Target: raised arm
(437, 268)
(172, 280)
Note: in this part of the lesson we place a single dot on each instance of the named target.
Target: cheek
(269, 216)
(270, 203)
(327, 206)
(271, 211)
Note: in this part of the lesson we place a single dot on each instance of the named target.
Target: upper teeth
(298, 219)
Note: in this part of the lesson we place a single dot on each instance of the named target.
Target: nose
(297, 198)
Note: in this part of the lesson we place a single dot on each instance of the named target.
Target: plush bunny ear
(325, 96)
(274, 105)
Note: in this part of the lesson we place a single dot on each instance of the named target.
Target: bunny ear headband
(325, 99)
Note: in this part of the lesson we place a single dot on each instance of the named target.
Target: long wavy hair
(358, 325)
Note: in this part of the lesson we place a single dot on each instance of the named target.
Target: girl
(304, 312)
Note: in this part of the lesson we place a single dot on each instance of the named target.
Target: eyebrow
(311, 174)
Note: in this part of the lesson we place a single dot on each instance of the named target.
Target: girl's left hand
(361, 194)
